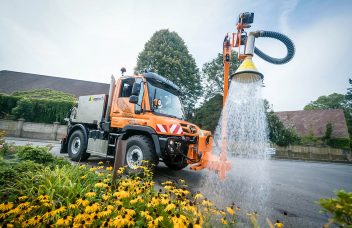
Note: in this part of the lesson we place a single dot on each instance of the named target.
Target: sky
(90, 40)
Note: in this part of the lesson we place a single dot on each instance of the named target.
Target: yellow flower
(130, 212)
(278, 224)
(159, 219)
(57, 211)
(221, 212)
(223, 221)
(121, 170)
(106, 180)
(136, 200)
(105, 197)
(119, 221)
(72, 206)
(167, 183)
(83, 177)
(146, 215)
(92, 208)
(169, 188)
(47, 204)
(6, 206)
(170, 207)
(100, 167)
(22, 198)
(82, 166)
(80, 217)
(100, 163)
(179, 220)
(33, 221)
(109, 168)
(43, 197)
(230, 210)
(82, 202)
(100, 174)
(90, 194)
(101, 185)
(207, 203)
(65, 221)
(122, 194)
(22, 205)
(93, 169)
(198, 196)
(104, 213)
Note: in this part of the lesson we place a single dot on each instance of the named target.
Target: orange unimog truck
(146, 111)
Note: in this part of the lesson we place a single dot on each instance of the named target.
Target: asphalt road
(270, 188)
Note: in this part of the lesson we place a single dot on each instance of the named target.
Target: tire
(77, 147)
(140, 147)
(176, 166)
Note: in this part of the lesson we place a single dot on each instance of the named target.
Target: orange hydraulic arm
(209, 160)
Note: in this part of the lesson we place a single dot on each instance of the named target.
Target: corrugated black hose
(284, 39)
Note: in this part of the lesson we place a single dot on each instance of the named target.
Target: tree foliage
(207, 116)
(278, 133)
(332, 101)
(166, 54)
(213, 75)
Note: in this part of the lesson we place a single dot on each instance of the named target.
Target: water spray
(246, 73)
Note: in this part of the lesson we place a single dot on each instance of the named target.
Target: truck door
(122, 110)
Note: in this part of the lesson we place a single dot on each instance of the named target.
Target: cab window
(126, 87)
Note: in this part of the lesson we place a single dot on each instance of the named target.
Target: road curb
(32, 140)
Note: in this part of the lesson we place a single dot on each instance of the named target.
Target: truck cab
(144, 110)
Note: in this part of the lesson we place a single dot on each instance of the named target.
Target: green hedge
(34, 109)
(340, 143)
(7, 103)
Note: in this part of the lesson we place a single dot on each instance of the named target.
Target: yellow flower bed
(130, 202)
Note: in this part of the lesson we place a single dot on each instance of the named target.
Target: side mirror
(133, 99)
(136, 88)
(156, 102)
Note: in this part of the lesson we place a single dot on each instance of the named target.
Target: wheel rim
(75, 145)
(134, 157)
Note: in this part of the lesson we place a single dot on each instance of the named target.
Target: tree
(166, 54)
(278, 133)
(207, 116)
(332, 101)
(213, 75)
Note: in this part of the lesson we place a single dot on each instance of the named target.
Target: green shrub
(42, 110)
(36, 154)
(340, 143)
(340, 208)
(36, 106)
(10, 172)
(328, 131)
(311, 140)
(45, 94)
(7, 103)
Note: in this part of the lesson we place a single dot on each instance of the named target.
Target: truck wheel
(139, 148)
(176, 166)
(77, 147)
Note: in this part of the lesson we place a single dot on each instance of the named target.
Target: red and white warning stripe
(176, 129)
(161, 128)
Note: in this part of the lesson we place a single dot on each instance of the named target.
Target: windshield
(170, 102)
